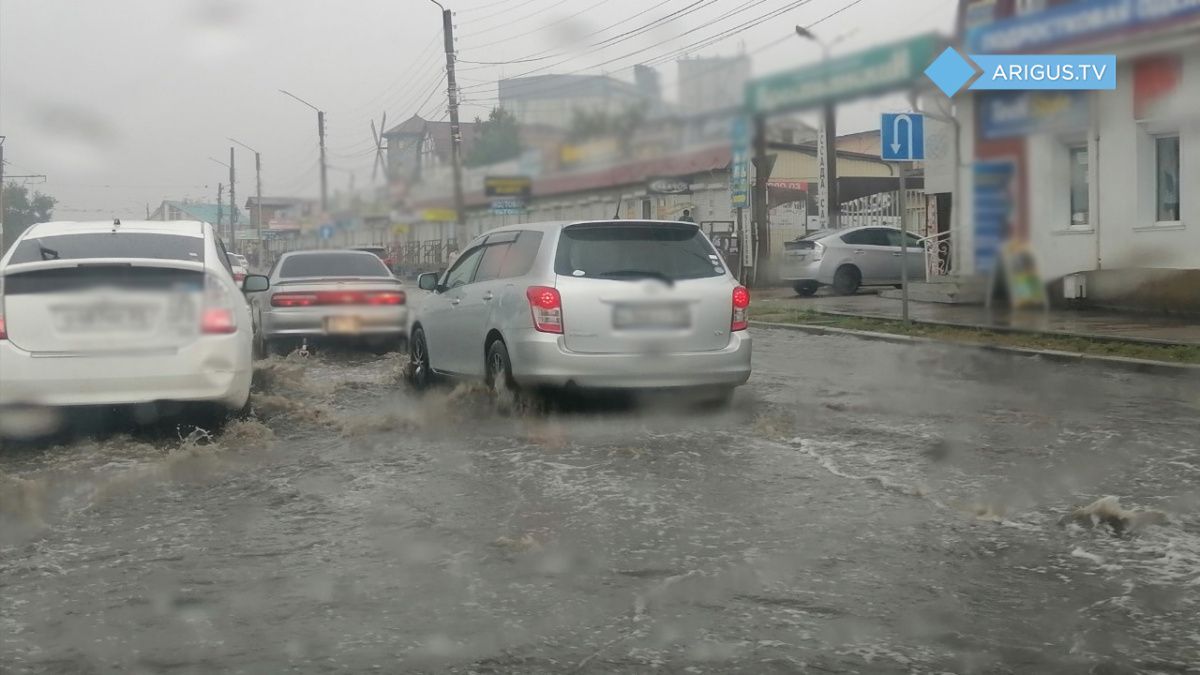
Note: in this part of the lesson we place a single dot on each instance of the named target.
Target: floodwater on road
(862, 508)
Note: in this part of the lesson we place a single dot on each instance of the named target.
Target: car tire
(805, 288)
(259, 350)
(847, 279)
(499, 376)
(419, 373)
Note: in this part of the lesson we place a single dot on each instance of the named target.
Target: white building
(1104, 185)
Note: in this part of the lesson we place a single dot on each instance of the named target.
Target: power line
(543, 27)
(740, 8)
(620, 37)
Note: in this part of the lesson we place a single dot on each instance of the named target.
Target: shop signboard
(1078, 21)
(1009, 114)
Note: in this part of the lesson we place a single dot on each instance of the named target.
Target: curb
(1123, 362)
(1016, 330)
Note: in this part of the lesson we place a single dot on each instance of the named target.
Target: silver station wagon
(623, 304)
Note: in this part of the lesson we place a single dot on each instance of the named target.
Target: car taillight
(818, 250)
(379, 298)
(546, 305)
(3, 332)
(217, 321)
(239, 277)
(293, 299)
(385, 298)
(217, 317)
(741, 303)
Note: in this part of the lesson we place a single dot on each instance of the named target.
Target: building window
(1078, 158)
(1166, 184)
(646, 209)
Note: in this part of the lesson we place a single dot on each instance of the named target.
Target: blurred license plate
(104, 318)
(651, 316)
(345, 325)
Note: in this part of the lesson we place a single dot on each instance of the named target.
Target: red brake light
(379, 298)
(3, 332)
(217, 321)
(546, 305)
(239, 277)
(386, 298)
(741, 302)
(293, 299)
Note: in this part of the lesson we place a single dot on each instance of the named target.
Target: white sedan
(111, 313)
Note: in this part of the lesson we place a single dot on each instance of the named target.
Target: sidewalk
(1083, 323)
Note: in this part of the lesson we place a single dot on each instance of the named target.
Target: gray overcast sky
(122, 102)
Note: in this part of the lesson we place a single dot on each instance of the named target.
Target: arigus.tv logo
(951, 71)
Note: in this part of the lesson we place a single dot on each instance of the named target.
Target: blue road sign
(326, 232)
(903, 136)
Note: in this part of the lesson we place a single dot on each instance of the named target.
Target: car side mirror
(255, 283)
(427, 281)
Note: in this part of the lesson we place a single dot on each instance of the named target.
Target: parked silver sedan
(848, 258)
(330, 294)
(603, 304)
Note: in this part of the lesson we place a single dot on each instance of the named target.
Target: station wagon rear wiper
(47, 253)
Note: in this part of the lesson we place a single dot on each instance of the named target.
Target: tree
(22, 210)
(588, 125)
(497, 139)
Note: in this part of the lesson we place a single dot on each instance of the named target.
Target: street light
(321, 140)
(258, 186)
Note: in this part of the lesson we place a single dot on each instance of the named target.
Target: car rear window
(633, 251)
(333, 265)
(110, 245)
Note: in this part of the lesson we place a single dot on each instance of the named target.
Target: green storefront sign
(869, 72)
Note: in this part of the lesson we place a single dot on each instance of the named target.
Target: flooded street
(863, 507)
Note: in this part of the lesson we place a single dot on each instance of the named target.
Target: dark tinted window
(332, 265)
(464, 269)
(110, 245)
(493, 259)
(619, 251)
(894, 238)
(521, 255)
(868, 237)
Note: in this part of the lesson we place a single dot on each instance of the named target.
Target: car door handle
(896, 254)
(455, 301)
(488, 296)
(859, 251)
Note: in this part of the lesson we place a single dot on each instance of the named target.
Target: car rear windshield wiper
(643, 274)
(47, 253)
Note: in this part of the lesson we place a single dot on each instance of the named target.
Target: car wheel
(805, 288)
(847, 280)
(499, 375)
(420, 376)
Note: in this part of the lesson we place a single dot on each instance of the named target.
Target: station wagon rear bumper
(540, 359)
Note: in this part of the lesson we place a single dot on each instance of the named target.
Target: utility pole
(220, 207)
(460, 233)
(827, 143)
(324, 166)
(258, 196)
(232, 202)
(321, 140)
(2, 246)
(763, 165)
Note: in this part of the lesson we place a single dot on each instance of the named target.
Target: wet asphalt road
(864, 507)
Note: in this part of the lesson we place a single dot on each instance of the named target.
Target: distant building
(280, 213)
(417, 144)
(204, 212)
(551, 100)
(712, 83)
